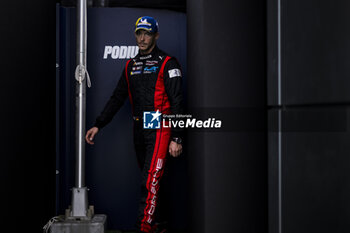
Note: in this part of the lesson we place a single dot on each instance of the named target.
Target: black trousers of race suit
(151, 146)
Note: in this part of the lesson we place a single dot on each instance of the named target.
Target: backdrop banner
(112, 174)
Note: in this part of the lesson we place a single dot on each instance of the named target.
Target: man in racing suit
(152, 81)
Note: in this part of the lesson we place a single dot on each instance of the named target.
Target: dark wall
(28, 114)
(308, 117)
(227, 80)
(315, 52)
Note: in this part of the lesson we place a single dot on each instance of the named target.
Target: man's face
(146, 40)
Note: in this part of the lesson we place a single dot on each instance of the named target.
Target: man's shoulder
(172, 59)
(165, 54)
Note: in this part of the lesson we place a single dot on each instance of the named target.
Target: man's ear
(157, 36)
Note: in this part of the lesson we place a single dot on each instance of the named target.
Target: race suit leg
(151, 158)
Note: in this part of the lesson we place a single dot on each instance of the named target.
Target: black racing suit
(152, 82)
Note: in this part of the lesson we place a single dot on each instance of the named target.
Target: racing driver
(153, 82)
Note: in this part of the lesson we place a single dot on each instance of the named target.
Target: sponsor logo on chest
(146, 57)
(137, 63)
(136, 68)
(149, 70)
(151, 63)
(135, 72)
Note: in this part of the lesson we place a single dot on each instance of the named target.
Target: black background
(27, 114)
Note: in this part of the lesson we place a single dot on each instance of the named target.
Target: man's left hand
(175, 149)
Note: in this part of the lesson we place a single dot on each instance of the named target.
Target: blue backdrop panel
(112, 174)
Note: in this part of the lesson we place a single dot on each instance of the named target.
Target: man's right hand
(90, 134)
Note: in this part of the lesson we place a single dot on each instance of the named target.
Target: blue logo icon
(151, 120)
(152, 69)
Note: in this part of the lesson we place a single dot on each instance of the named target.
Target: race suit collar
(149, 55)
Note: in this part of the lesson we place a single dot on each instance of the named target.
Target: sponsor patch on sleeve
(174, 73)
